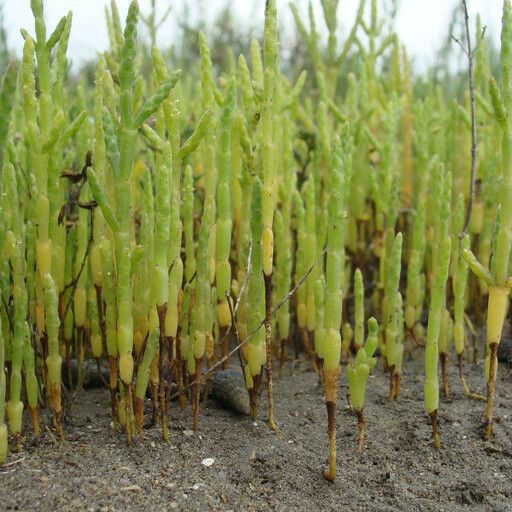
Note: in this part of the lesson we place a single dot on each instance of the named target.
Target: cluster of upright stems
(167, 221)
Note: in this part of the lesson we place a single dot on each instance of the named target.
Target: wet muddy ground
(256, 469)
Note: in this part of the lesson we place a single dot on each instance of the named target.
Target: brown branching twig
(290, 294)
(74, 283)
(274, 310)
(470, 52)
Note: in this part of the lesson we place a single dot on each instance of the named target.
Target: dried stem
(469, 51)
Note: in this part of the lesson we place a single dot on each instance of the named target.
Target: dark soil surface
(256, 469)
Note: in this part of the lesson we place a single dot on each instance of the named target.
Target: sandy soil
(255, 469)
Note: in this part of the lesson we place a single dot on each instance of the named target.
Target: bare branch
(259, 326)
(74, 283)
(458, 41)
(469, 51)
(481, 38)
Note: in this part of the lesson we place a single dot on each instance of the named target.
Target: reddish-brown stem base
(57, 424)
(112, 364)
(197, 393)
(34, 418)
(396, 376)
(391, 393)
(180, 372)
(491, 390)
(56, 404)
(435, 432)
(163, 370)
(330, 472)
(360, 426)
(128, 412)
(139, 415)
(155, 409)
(254, 396)
(16, 442)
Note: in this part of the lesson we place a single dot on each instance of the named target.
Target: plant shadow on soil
(255, 469)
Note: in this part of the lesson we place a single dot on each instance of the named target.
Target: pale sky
(421, 24)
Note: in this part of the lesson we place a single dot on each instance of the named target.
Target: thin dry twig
(274, 310)
(74, 283)
(470, 52)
